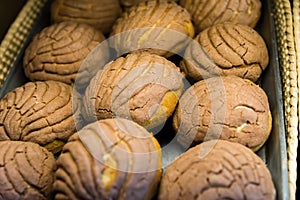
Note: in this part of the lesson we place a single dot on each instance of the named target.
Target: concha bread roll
(100, 14)
(217, 169)
(109, 159)
(228, 108)
(129, 3)
(39, 112)
(58, 51)
(207, 13)
(226, 49)
(26, 171)
(159, 27)
(142, 87)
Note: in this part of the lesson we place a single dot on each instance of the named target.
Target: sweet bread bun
(129, 3)
(39, 112)
(159, 27)
(228, 108)
(208, 13)
(58, 51)
(142, 87)
(100, 14)
(226, 49)
(26, 171)
(217, 170)
(109, 159)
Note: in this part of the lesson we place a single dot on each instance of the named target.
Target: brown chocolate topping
(26, 171)
(217, 170)
(109, 159)
(101, 14)
(228, 108)
(161, 27)
(39, 112)
(134, 87)
(226, 49)
(58, 51)
(208, 13)
(129, 3)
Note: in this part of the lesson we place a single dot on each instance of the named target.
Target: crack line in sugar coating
(215, 48)
(7, 174)
(61, 178)
(227, 44)
(206, 16)
(77, 175)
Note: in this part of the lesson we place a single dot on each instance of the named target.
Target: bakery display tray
(273, 152)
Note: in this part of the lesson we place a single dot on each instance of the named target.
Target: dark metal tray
(273, 152)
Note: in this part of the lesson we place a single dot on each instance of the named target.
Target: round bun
(226, 49)
(39, 112)
(208, 13)
(129, 3)
(57, 52)
(159, 27)
(217, 170)
(100, 14)
(26, 171)
(109, 159)
(228, 108)
(142, 87)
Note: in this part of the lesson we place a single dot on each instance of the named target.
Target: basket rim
(16, 35)
(285, 13)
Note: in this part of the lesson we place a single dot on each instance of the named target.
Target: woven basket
(287, 30)
(18, 32)
(296, 21)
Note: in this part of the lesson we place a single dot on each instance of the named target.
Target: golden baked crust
(26, 171)
(39, 112)
(217, 170)
(109, 159)
(57, 52)
(142, 87)
(226, 49)
(207, 13)
(228, 108)
(163, 28)
(100, 14)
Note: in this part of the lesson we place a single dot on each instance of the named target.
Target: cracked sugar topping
(226, 49)
(209, 13)
(142, 87)
(39, 112)
(217, 169)
(109, 159)
(27, 170)
(228, 108)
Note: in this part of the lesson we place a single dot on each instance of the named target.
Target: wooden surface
(9, 9)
